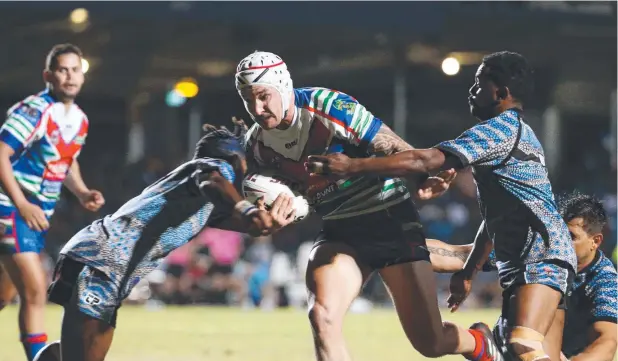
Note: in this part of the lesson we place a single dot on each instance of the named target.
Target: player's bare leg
(334, 279)
(7, 288)
(534, 308)
(84, 338)
(27, 273)
(552, 344)
(413, 289)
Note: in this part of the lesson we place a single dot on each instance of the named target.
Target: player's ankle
(479, 346)
(33, 343)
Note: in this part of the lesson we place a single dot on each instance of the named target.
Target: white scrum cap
(268, 69)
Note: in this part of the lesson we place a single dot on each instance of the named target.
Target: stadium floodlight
(79, 16)
(450, 66)
(174, 99)
(187, 87)
(85, 65)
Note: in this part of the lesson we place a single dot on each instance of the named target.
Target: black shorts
(380, 239)
(221, 269)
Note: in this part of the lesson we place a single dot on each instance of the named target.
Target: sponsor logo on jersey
(319, 195)
(291, 144)
(80, 140)
(342, 104)
(58, 167)
(29, 111)
(54, 137)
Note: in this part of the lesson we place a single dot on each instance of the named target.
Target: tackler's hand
(436, 186)
(460, 287)
(335, 165)
(92, 200)
(282, 210)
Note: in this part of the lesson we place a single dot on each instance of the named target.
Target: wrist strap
(245, 208)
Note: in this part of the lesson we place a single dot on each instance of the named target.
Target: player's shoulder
(603, 271)
(601, 278)
(328, 104)
(506, 125)
(321, 99)
(32, 107)
(82, 112)
(508, 118)
(207, 164)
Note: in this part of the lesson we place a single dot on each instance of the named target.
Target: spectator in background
(177, 284)
(221, 249)
(252, 275)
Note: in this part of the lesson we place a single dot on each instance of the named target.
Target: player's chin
(268, 123)
(70, 94)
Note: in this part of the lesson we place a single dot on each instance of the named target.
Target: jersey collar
(595, 261)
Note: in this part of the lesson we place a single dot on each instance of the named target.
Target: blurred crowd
(227, 268)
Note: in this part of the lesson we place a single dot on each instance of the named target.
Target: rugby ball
(268, 187)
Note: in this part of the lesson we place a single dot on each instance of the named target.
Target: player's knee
(34, 295)
(430, 350)
(435, 347)
(526, 344)
(323, 321)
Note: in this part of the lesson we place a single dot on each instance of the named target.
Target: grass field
(227, 334)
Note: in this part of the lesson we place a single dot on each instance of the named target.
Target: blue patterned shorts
(90, 290)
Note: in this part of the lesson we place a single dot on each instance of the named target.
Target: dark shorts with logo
(86, 288)
(380, 239)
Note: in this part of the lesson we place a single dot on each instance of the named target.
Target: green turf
(227, 334)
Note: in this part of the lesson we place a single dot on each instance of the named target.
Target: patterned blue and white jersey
(133, 241)
(594, 298)
(514, 191)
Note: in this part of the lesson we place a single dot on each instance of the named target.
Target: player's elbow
(6, 152)
(610, 344)
(604, 349)
(410, 162)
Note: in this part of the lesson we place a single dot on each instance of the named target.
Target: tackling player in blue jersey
(100, 265)
(535, 259)
(590, 330)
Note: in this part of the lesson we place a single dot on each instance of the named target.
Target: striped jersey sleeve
(21, 125)
(487, 143)
(349, 120)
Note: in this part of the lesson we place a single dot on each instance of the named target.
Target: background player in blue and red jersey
(102, 263)
(39, 145)
(535, 259)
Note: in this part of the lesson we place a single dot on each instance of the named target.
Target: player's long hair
(221, 143)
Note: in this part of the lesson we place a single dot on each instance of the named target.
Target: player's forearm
(447, 258)
(602, 349)
(400, 164)
(74, 181)
(7, 178)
